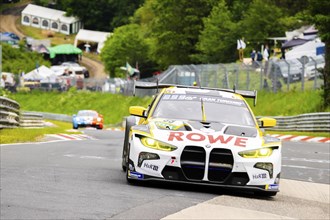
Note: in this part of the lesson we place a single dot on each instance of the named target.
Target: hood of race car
(205, 127)
(181, 132)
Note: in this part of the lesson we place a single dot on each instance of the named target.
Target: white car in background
(71, 68)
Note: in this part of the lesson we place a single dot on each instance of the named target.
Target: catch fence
(273, 75)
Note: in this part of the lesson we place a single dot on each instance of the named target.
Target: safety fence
(9, 113)
(273, 75)
(313, 122)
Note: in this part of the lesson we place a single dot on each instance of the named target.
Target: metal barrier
(31, 120)
(314, 122)
(52, 116)
(9, 113)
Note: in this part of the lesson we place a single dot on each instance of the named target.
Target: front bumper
(216, 166)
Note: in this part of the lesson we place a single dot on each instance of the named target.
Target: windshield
(217, 109)
(87, 113)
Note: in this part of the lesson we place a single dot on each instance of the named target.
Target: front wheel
(130, 121)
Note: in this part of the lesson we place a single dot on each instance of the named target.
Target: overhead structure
(86, 37)
(49, 19)
(309, 49)
(42, 74)
(66, 49)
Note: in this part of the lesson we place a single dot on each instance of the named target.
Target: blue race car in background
(87, 118)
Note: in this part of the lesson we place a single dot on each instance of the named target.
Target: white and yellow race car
(202, 136)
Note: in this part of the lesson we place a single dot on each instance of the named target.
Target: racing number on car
(179, 136)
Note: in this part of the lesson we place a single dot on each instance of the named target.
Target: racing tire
(130, 121)
(129, 181)
(99, 127)
(75, 127)
(265, 194)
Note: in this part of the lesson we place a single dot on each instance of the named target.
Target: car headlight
(262, 152)
(99, 119)
(158, 145)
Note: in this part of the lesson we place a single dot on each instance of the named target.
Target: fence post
(289, 73)
(315, 72)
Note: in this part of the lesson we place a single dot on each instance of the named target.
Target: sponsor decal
(180, 136)
(150, 166)
(169, 125)
(259, 176)
(187, 97)
(173, 160)
(135, 175)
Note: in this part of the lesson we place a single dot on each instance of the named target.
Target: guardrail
(9, 113)
(314, 122)
(31, 120)
(52, 116)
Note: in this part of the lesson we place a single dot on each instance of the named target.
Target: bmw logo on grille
(208, 145)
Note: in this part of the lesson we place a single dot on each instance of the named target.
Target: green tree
(125, 45)
(16, 60)
(319, 12)
(175, 30)
(261, 21)
(216, 40)
(238, 8)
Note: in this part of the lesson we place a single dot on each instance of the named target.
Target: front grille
(193, 162)
(220, 164)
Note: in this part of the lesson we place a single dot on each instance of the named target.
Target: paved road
(83, 180)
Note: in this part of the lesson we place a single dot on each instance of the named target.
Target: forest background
(154, 34)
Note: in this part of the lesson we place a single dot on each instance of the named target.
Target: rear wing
(157, 86)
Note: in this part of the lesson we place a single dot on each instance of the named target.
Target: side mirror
(267, 122)
(137, 111)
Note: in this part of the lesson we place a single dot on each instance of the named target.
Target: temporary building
(42, 74)
(87, 36)
(67, 49)
(294, 42)
(309, 49)
(50, 19)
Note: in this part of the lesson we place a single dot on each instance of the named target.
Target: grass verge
(21, 135)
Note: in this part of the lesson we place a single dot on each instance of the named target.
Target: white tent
(42, 74)
(307, 49)
(88, 36)
(50, 19)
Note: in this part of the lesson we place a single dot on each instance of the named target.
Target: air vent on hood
(241, 131)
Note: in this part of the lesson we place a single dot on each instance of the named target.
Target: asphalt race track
(81, 178)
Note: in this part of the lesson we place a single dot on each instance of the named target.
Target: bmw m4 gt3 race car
(201, 136)
(87, 118)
